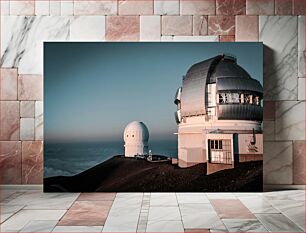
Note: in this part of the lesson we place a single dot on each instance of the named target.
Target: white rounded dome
(136, 130)
(136, 137)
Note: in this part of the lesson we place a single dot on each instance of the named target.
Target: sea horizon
(71, 158)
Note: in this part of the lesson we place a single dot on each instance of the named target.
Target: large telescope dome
(238, 96)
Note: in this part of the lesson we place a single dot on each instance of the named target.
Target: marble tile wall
(25, 24)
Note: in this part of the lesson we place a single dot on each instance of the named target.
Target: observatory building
(219, 115)
(136, 137)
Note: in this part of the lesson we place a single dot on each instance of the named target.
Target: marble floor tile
(124, 213)
(39, 200)
(294, 210)
(23, 217)
(39, 226)
(157, 213)
(96, 197)
(90, 213)
(6, 193)
(218, 226)
(232, 209)
(238, 225)
(297, 195)
(127, 202)
(8, 210)
(129, 195)
(15, 194)
(278, 223)
(163, 200)
(122, 219)
(198, 216)
(258, 205)
(221, 196)
(165, 226)
(75, 229)
(192, 198)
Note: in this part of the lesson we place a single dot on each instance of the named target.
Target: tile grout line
(145, 198)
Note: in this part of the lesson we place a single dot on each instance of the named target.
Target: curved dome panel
(240, 112)
(138, 129)
(228, 68)
(228, 76)
(194, 86)
(239, 84)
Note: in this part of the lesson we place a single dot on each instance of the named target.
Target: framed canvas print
(153, 117)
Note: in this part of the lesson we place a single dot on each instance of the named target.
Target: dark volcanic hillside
(120, 174)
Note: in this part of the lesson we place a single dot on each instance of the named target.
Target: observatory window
(248, 99)
(222, 98)
(257, 100)
(220, 151)
(225, 98)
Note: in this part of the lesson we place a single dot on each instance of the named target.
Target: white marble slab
(150, 28)
(165, 226)
(39, 226)
(218, 226)
(277, 164)
(4, 194)
(87, 28)
(205, 217)
(278, 223)
(9, 210)
(242, 225)
(55, 8)
(24, 7)
(5, 7)
(301, 89)
(294, 195)
(42, 7)
(66, 7)
(127, 202)
(23, 217)
(169, 213)
(301, 46)
(129, 195)
(74, 229)
(269, 131)
(186, 198)
(159, 200)
(39, 120)
(167, 7)
(294, 210)
(290, 120)
(106, 7)
(258, 205)
(122, 219)
(221, 196)
(124, 213)
(38, 200)
(22, 40)
(279, 35)
(8, 198)
(27, 129)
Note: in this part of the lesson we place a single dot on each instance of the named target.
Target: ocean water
(67, 159)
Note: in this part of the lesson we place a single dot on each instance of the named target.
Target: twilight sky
(92, 90)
